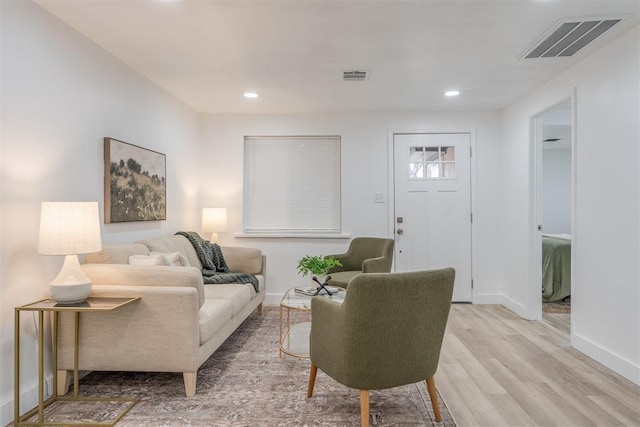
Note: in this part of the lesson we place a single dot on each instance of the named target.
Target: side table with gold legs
(91, 305)
(294, 336)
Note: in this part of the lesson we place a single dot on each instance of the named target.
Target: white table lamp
(69, 228)
(214, 221)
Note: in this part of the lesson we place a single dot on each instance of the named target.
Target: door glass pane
(433, 170)
(416, 170)
(416, 154)
(447, 154)
(431, 154)
(449, 170)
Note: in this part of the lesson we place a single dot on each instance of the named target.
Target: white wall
(61, 95)
(556, 191)
(605, 310)
(365, 171)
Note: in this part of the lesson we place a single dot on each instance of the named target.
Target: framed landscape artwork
(135, 187)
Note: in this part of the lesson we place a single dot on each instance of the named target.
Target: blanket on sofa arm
(214, 267)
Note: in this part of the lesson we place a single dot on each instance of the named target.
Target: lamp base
(70, 294)
(71, 285)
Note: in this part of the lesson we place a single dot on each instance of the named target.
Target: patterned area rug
(246, 383)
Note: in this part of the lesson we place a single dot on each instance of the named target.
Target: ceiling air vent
(569, 36)
(355, 75)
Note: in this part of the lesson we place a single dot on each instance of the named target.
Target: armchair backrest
(363, 248)
(393, 326)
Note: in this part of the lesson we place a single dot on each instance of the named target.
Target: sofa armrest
(158, 333)
(244, 260)
(145, 275)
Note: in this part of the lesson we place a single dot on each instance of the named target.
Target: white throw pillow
(146, 260)
(173, 258)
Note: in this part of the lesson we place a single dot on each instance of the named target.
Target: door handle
(400, 231)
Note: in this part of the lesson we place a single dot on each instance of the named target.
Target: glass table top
(299, 301)
(91, 304)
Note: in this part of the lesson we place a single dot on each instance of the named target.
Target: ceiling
(293, 52)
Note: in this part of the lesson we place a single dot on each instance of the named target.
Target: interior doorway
(554, 139)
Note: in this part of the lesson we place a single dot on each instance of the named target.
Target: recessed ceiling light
(250, 95)
(452, 93)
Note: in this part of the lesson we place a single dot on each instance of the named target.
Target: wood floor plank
(497, 369)
(561, 321)
(615, 411)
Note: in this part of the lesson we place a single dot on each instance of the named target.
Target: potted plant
(317, 265)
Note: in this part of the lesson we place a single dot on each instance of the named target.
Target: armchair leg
(364, 408)
(312, 379)
(433, 394)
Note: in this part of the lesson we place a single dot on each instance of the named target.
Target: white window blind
(292, 184)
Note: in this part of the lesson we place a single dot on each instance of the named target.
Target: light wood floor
(559, 321)
(497, 369)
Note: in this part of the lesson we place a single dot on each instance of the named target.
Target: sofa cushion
(238, 295)
(175, 259)
(243, 260)
(342, 278)
(175, 243)
(147, 260)
(116, 254)
(212, 316)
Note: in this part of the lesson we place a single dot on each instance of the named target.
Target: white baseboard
(6, 412)
(28, 399)
(516, 307)
(621, 366)
(488, 299)
(272, 299)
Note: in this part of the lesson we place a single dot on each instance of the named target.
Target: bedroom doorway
(554, 149)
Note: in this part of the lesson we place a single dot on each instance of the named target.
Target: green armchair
(388, 332)
(364, 255)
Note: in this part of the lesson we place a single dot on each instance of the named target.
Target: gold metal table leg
(76, 346)
(16, 367)
(41, 366)
(280, 346)
(54, 349)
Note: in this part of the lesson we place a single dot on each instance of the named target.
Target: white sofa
(179, 321)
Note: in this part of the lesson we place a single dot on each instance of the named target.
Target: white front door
(432, 180)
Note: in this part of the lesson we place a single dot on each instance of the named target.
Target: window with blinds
(292, 184)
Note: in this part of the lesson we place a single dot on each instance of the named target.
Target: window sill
(292, 235)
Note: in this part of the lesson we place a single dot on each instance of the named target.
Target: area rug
(246, 383)
(557, 307)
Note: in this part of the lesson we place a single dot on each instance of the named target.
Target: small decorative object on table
(312, 291)
(318, 266)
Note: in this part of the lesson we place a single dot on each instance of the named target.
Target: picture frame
(135, 187)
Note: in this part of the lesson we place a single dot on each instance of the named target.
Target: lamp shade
(69, 228)
(214, 220)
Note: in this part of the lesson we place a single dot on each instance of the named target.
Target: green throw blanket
(215, 269)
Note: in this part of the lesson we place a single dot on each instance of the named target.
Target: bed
(556, 267)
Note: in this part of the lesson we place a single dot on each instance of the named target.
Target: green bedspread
(556, 269)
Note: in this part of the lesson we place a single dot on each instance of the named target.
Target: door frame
(533, 303)
(475, 296)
